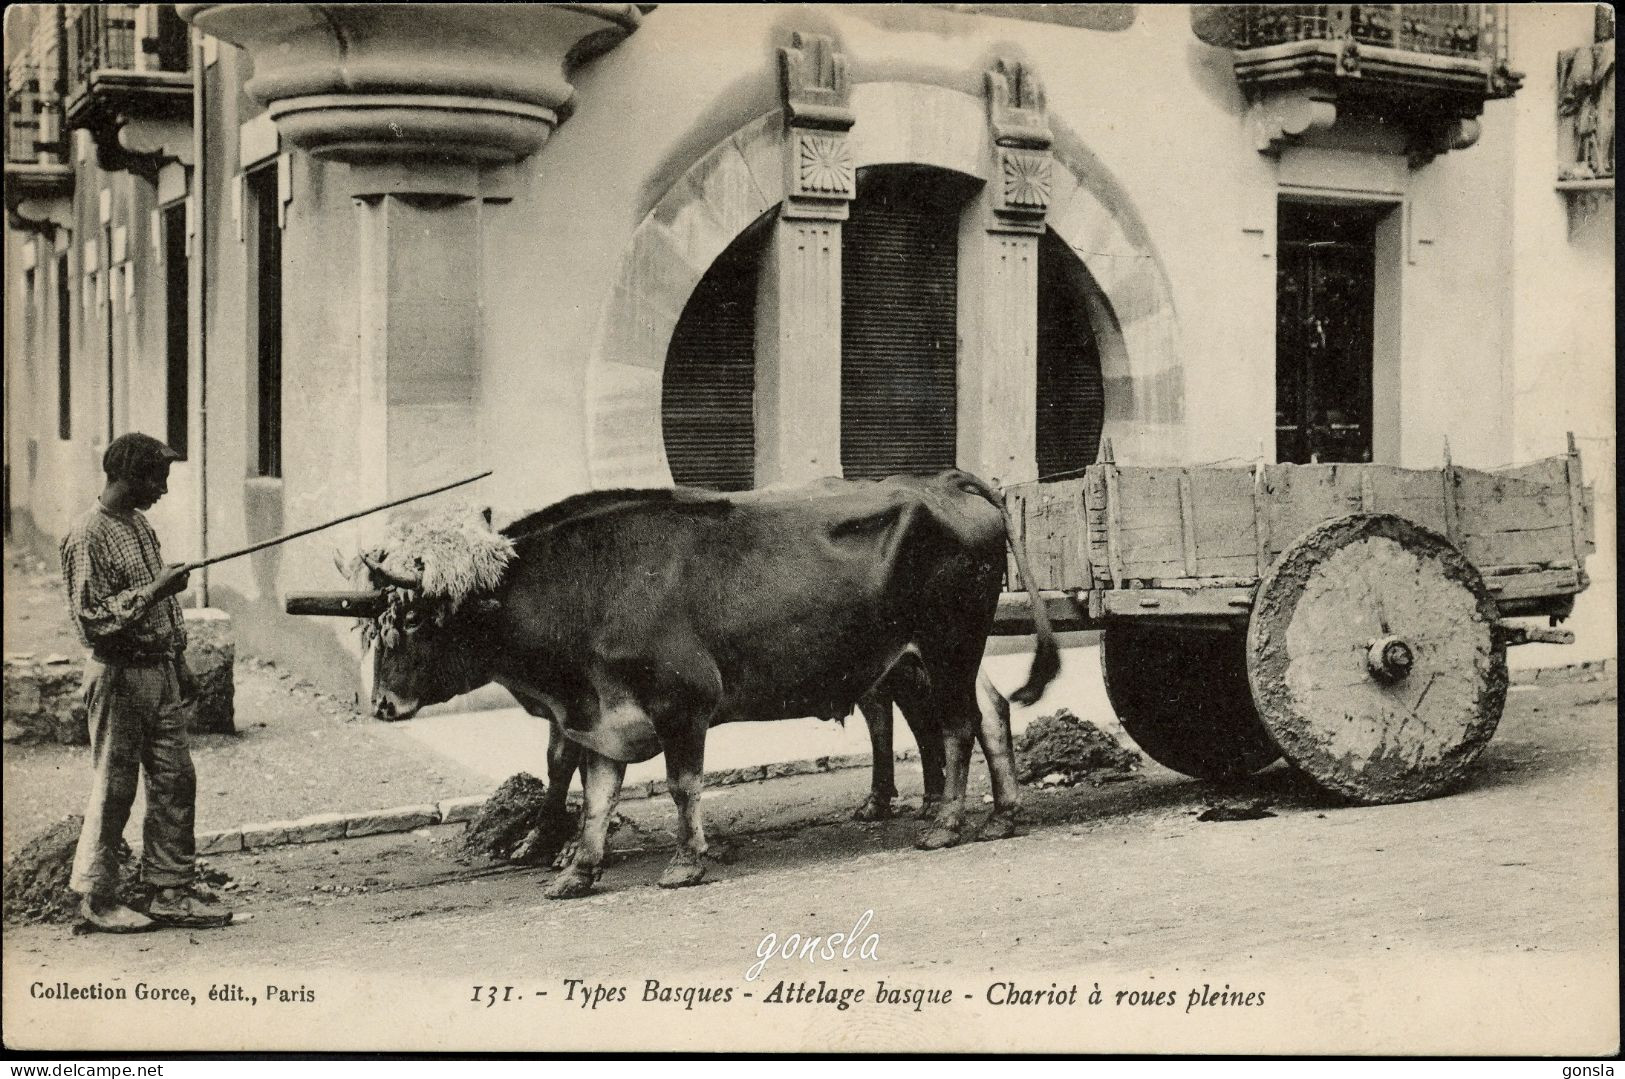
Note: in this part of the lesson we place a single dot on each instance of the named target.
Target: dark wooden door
(1324, 282)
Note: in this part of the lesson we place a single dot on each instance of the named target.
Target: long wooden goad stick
(329, 524)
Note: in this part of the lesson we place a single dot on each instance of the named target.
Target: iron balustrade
(111, 37)
(1461, 31)
(23, 107)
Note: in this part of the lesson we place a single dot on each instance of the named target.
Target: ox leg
(685, 774)
(877, 713)
(993, 732)
(553, 831)
(959, 724)
(601, 787)
(915, 705)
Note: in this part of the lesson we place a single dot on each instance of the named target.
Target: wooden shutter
(1071, 393)
(899, 293)
(709, 391)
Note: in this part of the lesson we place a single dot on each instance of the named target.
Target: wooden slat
(1447, 479)
(1543, 546)
(1114, 509)
(1523, 585)
(1187, 521)
(1261, 520)
(1576, 501)
(1198, 602)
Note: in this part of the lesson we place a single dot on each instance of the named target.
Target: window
(899, 322)
(177, 316)
(64, 351)
(708, 395)
(266, 319)
(1071, 396)
(1325, 281)
(900, 290)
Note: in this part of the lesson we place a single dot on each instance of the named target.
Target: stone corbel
(1023, 161)
(1279, 120)
(157, 140)
(820, 177)
(1429, 142)
(45, 216)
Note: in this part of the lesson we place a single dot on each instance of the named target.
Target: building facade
(341, 253)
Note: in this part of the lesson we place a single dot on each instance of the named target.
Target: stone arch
(742, 178)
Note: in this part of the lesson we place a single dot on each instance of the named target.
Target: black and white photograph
(1064, 529)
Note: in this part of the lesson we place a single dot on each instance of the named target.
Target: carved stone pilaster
(1023, 162)
(820, 177)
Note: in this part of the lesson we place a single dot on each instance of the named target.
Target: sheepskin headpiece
(453, 551)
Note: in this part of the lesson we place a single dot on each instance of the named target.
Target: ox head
(432, 637)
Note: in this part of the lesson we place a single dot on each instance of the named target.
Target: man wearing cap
(137, 696)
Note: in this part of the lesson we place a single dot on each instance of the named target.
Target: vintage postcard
(930, 528)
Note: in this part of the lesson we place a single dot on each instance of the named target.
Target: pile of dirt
(36, 880)
(511, 813)
(510, 827)
(1062, 750)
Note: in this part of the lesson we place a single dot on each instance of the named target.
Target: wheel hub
(1390, 659)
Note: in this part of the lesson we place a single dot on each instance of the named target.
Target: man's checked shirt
(107, 559)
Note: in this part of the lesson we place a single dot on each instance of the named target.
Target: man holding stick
(138, 696)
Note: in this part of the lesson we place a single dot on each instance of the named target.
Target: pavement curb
(330, 826)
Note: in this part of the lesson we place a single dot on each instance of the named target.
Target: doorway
(1325, 306)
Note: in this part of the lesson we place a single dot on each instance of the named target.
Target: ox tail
(1047, 655)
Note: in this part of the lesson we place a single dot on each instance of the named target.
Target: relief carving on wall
(1021, 145)
(1585, 112)
(817, 94)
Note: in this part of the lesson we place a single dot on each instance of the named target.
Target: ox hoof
(1001, 825)
(541, 846)
(938, 837)
(873, 808)
(929, 808)
(572, 883)
(685, 870)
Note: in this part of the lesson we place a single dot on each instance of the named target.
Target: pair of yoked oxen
(637, 620)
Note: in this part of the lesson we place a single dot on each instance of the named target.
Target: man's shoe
(110, 916)
(184, 907)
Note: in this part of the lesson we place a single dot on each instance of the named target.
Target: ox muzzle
(367, 604)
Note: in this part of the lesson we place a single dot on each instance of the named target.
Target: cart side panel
(1226, 537)
(1521, 517)
(1055, 530)
(1300, 497)
(1413, 494)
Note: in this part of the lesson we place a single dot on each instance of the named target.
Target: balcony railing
(123, 37)
(22, 117)
(1462, 31)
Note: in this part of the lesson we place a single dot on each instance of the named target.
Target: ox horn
(393, 578)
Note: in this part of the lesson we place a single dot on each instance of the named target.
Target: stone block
(399, 819)
(212, 654)
(457, 810)
(790, 768)
(219, 842)
(272, 834)
(44, 701)
(317, 828)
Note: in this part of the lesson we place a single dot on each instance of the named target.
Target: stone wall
(45, 694)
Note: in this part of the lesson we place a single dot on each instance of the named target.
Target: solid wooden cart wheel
(1182, 695)
(1374, 660)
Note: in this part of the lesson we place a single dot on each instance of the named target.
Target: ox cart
(1348, 617)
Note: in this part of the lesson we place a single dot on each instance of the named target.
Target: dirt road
(1484, 921)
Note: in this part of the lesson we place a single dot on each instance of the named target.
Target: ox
(636, 620)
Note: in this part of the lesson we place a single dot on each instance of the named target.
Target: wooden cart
(1347, 617)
